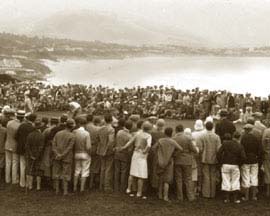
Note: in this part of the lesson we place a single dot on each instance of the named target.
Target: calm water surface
(237, 74)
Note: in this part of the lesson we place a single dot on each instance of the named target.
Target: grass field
(14, 201)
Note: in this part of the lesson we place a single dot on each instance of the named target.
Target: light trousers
(209, 180)
(249, 174)
(12, 165)
(22, 170)
(230, 177)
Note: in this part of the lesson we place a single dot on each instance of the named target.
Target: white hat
(198, 125)
(209, 119)
(6, 108)
(187, 131)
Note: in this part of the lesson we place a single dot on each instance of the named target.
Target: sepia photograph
(134, 107)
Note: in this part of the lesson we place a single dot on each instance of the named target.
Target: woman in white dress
(138, 169)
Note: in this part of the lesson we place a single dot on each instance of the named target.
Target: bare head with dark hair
(128, 125)
(31, 117)
(63, 118)
(45, 120)
(139, 124)
(168, 131)
(97, 121)
(227, 136)
(179, 128)
(80, 121)
(108, 118)
(121, 123)
(209, 126)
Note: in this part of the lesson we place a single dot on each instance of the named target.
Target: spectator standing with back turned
(105, 150)
(21, 136)
(209, 144)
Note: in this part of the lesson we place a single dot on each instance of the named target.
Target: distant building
(10, 72)
(10, 63)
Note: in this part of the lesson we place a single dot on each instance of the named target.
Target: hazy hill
(107, 27)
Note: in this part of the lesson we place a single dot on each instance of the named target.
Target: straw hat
(20, 113)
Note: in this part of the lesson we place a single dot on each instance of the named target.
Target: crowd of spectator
(165, 102)
(117, 140)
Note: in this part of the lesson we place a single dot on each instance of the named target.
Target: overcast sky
(232, 22)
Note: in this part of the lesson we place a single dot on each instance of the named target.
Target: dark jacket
(224, 126)
(232, 153)
(35, 145)
(54, 131)
(252, 147)
(21, 136)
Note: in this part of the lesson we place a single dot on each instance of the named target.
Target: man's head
(223, 113)
(121, 123)
(179, 128)
(31, 117)
(147, 126)
(227, 136)
(80, 121)
(45, 120)
(20, 115)
(38, 124)
(160, 123)
(108, 118)
(63, 119)
(248, 128)
(251, 121)
(70, 124)
(168, 131)
(128, 125)
(97, 121)
(54, 121)
(139, 124)
(209, 126)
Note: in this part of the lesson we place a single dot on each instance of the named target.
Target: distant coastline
(30, 51)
